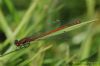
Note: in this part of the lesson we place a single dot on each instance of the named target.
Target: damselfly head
(16, 42)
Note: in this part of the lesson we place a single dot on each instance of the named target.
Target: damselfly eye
(16, 41)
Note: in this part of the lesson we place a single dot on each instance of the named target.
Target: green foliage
(77, 44)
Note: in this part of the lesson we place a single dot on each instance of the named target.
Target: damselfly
(24, 42)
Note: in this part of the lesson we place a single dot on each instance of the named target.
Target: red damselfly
(24, 42)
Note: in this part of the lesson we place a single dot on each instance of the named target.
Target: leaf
(67, 29)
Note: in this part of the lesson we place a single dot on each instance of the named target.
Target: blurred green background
(25, 18)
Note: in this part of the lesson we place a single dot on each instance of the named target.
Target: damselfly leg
(19, 47)
(26, 44)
